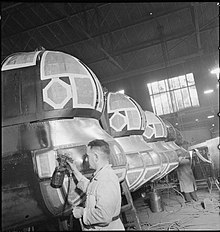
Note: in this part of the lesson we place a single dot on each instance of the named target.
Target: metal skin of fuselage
(125, 122)
(169, 158)
(39, 123)
(27, 195)
(157, 134)
(144, 162)
(147, 161)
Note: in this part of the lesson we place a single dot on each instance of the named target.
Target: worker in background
(186, 178)
(103, 193)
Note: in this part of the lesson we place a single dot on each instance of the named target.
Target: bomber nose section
(126, 123)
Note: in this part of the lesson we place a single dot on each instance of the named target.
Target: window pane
(190, 79)
(149, 88)
(159, 110)
(194, 96)
(167, 85)
(162, 87)
(182, 80)
(165, 104)
(173, 99)
(186, 99)
(174, 83)
(179, 99)
(155, 88)
(152, 103)
(169, 102)
(170, 81)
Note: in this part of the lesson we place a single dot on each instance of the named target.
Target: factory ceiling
(116, 40)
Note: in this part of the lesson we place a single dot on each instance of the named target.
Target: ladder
(129, 206)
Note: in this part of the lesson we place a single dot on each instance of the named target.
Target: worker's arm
(83, 182)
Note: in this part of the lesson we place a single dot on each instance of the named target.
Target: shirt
(103, 200)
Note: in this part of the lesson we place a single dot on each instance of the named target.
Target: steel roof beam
(151, 68)
(196, 23)
(147, 19)
(49, 23)
(11, 6)
(100, 48)
(150, 43)
(118, 29)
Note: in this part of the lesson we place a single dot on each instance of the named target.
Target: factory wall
(197, 135)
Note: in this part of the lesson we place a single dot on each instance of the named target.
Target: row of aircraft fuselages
(54, 104)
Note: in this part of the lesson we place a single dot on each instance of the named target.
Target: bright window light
(208, 91)
(215, 71)
(211, 116)
(121, 91)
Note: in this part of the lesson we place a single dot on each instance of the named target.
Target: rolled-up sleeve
(102, 206)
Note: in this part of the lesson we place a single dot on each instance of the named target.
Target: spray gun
(61, 170)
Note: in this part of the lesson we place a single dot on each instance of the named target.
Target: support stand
(129, 206)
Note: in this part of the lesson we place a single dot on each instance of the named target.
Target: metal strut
(129, 206)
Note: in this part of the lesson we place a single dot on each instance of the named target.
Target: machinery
(208, 155)
(51, 106)
(212, 153)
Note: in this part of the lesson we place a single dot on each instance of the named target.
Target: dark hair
(104, 146)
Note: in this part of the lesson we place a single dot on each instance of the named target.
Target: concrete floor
(178, 215)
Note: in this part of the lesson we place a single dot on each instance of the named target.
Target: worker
(186, 178)
(103, 193)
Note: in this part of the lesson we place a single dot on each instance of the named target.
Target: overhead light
(213, 124)
(211, 116)
(216, 71)
(197, 120)
(151, 13)
(176, 123)
(121, 91)
(208, 91)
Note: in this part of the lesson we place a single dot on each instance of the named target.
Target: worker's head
(98, 152)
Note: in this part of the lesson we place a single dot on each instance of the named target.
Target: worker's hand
(78, 212)
(72, 165)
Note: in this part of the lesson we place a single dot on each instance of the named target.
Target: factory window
(174, 94)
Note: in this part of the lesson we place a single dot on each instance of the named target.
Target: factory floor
(178, 215)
